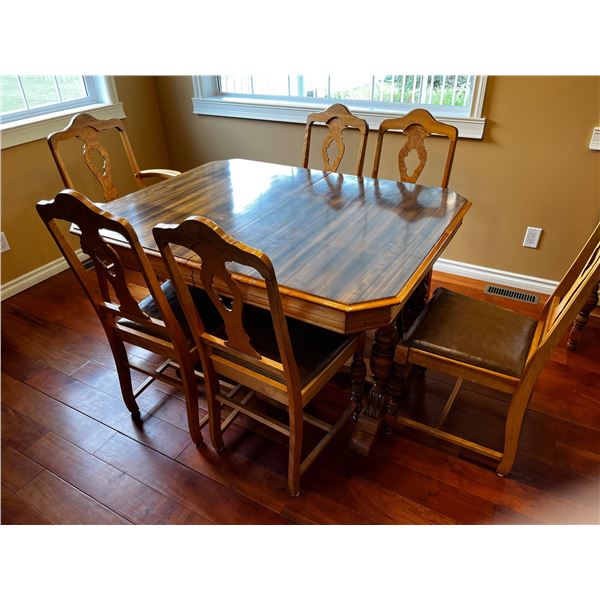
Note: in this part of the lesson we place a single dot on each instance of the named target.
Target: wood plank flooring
(71, 454)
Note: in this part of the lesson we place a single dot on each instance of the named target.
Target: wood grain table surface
(348, 251)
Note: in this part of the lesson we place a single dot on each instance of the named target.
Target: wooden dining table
(350, 253)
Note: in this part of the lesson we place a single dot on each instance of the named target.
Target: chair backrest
(86, 128)
(573, 290)
(106, 285)
(564, 304)
(577, 266)
(215, 249)
(416, 125)
(337, 118)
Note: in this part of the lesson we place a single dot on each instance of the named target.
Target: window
(23, 96)
(456, 99)
(32, 106)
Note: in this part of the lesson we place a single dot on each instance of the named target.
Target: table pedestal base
(365, 432)
(381, 405)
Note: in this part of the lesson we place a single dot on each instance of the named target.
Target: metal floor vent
(512, 294)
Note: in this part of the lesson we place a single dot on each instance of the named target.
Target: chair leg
(214, 411)
(295, 446)
(448, 406)
(582, 318)
(512, 432)
(190, 389)
(124, 373)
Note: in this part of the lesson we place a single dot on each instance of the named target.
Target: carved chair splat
(87, 129)
(337, 118)
(417, 125)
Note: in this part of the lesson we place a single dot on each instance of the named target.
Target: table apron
(321, 315)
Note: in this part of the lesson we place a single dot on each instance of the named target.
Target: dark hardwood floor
(71, 454)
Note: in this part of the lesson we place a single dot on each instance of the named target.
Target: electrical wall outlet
(532, 237)
(3, 243)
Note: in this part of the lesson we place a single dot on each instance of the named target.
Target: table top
(351, 242)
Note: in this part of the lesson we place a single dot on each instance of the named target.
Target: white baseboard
(515, 280)
(36, 276)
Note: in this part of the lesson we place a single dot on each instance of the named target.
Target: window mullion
(443, 89)
(55, 81)
(423, 92)
(468, 90)
(22, 90)
(454, 89)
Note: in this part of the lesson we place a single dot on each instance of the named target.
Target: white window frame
(37, 127)
(207, 100)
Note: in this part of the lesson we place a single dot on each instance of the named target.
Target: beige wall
(533, 166)
(28, 174)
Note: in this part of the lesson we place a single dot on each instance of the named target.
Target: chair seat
(210, 315)
(473, 332)
(313, 347)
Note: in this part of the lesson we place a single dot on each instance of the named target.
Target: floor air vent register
(513, 294)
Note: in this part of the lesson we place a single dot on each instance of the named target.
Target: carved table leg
(371, 417)
(396, 385)
(358, 375)
(582, 318)
(396, 389)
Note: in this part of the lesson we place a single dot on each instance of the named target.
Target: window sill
(290, 112)
(38, 128)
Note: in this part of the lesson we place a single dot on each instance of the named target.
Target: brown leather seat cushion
(208, 313)
(474, 332)
(313, 346)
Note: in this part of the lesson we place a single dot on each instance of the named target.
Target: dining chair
(416, 125)
(87, 128)
(480, 342)
(337, 118)
(582, 318)
(157, 323)
(263, 352)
